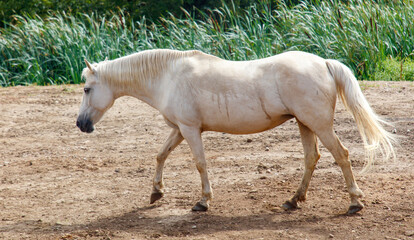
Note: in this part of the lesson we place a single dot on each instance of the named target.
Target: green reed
(362, 34)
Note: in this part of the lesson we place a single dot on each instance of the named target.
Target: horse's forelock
(86, 72)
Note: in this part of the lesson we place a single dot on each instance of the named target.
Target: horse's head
(97, 98)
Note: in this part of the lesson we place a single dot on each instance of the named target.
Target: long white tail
(374, 136)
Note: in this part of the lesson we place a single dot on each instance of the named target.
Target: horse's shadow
(140, 222)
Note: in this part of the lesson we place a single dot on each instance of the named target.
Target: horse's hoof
(288, 205)
(199, 208)
(156, 196)
(354, 209)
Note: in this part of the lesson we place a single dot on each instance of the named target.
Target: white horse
(197, 92)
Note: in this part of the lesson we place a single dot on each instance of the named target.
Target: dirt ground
(59, 183)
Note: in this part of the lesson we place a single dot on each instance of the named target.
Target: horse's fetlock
(158, 186)
(302, 198)
(299, 197)
(356, 192)
(207, 196)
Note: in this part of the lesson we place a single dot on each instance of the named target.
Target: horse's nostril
(78, 124)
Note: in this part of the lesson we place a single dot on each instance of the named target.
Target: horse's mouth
(85, 125)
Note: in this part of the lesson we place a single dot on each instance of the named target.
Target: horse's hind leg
(173, 141)
(340, 153)
(311, 152)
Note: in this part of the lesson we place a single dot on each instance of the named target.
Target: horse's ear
(90, 66)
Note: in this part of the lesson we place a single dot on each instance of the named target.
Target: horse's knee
(161, 157)
(201, 167)
(345, 163)
(311, 159)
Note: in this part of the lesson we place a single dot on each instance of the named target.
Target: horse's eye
(87, 90)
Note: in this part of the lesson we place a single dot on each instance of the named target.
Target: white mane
(138, 68)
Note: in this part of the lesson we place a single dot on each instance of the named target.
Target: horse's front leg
(173, 141)
(193, 137)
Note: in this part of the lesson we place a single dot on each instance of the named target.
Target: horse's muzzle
(85, 124)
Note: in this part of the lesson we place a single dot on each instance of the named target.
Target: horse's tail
(369, 125)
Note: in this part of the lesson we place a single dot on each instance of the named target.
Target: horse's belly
(245, 127)
(243, 120)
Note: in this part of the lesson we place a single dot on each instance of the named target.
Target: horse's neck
(146, 84)
(147, 91)
(146, 97)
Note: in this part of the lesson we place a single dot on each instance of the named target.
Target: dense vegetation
(135, 9)
(369, 36)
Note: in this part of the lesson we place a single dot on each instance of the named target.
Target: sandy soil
(59, 183)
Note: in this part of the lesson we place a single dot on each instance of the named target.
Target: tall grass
(362, 34)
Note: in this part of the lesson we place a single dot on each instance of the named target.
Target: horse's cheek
(103, 102)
